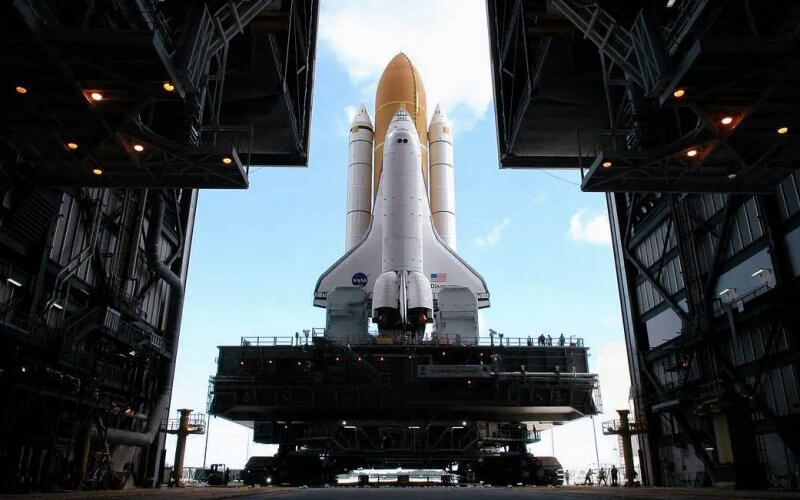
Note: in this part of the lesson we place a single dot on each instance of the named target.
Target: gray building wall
(743, 300)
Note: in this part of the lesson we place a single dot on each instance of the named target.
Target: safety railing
(612, 427)
(195, 425)
(720, 307)
(521, 434)
(308, 336)
(19, 324)
(296, 340)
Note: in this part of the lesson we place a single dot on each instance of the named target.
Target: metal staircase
(687, 249)
(614, 41)
(214, 31)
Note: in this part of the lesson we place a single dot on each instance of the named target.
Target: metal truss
(698, 346)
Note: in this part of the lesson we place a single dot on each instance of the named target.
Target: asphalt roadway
(414, 493)
(563, 493)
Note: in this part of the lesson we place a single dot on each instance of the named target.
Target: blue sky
(541, 245)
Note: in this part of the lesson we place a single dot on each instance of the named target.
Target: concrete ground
(412, 493)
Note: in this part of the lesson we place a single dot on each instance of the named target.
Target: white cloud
(342, 121)
(539, 199)
(494, 235)
(590, 229)
(350, 112)
(447, 41)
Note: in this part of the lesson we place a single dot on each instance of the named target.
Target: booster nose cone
(361, 118)
(438, 116)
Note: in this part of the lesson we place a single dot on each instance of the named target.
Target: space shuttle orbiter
(401, 248)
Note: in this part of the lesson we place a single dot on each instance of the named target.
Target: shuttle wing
(445, 268)
(361, 266)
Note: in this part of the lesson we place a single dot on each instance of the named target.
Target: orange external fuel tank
(400, 85)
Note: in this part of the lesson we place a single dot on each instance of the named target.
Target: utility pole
(596, 452)
(205, 450)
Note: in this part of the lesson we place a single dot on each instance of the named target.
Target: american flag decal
(438, 277)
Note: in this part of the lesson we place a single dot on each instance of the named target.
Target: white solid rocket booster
(442, 178)
(359, 177)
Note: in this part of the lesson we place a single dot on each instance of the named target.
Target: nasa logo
(360, 279)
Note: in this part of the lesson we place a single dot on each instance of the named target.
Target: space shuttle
(400, 266)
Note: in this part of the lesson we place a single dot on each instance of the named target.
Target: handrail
(719, 307)
(444, 340)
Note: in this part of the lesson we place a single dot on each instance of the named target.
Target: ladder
(614, 41)
(692, 278)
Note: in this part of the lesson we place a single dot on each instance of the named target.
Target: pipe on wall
(174, 315)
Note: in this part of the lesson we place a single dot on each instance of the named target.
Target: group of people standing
(602, 476)
(548, 341)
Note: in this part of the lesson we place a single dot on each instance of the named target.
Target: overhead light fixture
(132, 353)
(725, 292)
(96, 96)
(227, 160)
(783, 130)
(344, 422)
(726, 120)
(72, 145)
(21, 90)
(731, 176)
(97, 171)
(670, 3)
(759, 273)
(138, 148)
(12, 281)
(679, 93)
(349, 426)
(464, 423)
(58, 306)
(413, 427)
(168, 86)
(457, 427)
(607, 164)
(691, 153)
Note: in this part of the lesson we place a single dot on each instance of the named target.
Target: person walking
(566, 477)
(601, 477)
(541, 339)
(561, 340)
(614, 473)
(588, 478)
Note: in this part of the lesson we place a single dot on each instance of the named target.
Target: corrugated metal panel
(789, 195)
(71, 236)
